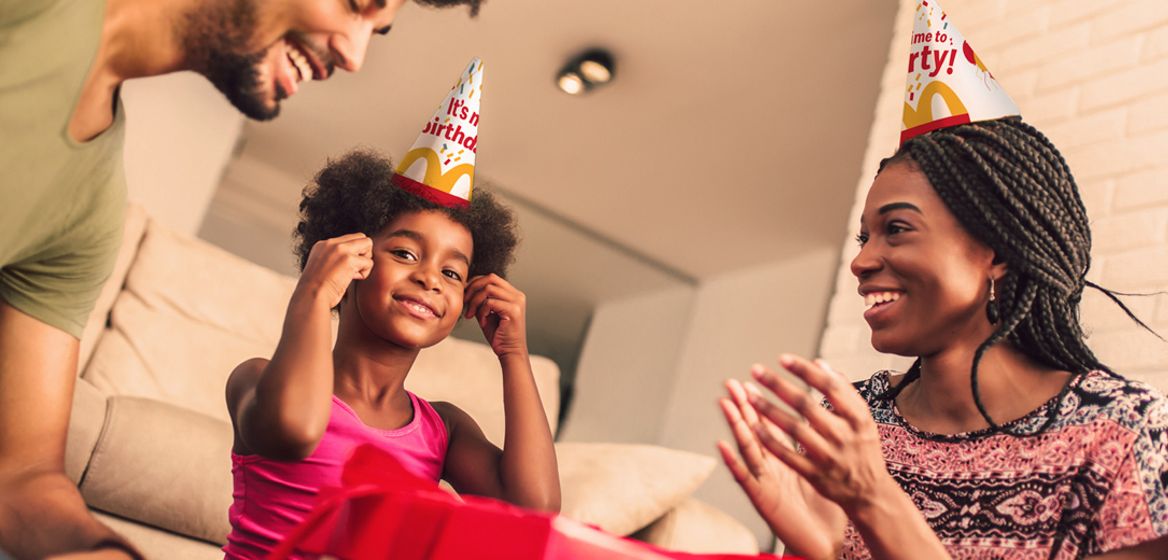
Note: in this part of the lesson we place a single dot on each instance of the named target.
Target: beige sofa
(149, 437)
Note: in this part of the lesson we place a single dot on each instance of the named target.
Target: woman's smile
(880, 305)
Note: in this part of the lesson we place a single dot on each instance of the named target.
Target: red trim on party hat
(930, 126)
(429, 193)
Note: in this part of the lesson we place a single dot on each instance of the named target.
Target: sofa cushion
(468, 374)
(697, 527)
(191, 312)
(132, 230)
(168, 356)
(624, 487)
(162, 465)
(179, 275)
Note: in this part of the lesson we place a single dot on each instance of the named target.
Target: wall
(740, 319)
(1094, 77)
(652, 366)
(180, 133)
(625, 376)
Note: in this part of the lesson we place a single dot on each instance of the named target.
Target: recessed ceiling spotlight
(593, 68)
(570, 82)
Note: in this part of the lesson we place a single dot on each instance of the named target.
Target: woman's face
(925, 279)
(414, 294)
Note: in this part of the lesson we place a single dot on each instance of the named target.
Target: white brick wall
(1092, 75)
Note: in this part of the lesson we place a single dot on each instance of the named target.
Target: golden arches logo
(923, 114)
(434, 177)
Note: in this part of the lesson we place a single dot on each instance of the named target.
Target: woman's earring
(992, 305)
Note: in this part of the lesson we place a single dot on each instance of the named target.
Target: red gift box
(382, 511)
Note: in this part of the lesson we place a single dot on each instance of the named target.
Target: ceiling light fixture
(593, 68)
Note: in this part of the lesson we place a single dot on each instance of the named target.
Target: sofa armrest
(85, 424)
(162, 465)
(158, 543)
(697, 527)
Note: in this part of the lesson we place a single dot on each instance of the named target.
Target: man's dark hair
(1011, 189)
(355, 193)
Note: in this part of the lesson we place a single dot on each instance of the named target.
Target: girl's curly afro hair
(355, 194)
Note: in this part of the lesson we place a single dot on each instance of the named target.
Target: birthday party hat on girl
(440, 165)
(948, 84)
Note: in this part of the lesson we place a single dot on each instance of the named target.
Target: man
(62, 193)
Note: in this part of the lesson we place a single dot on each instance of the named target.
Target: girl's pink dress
(272, 497)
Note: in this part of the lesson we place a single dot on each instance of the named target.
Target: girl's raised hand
(501, 311)
(841, 455)
(807, 524)
(333, 264)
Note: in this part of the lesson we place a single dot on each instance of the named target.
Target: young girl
(400, 271)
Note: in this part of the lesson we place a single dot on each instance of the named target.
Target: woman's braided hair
(1011, 189)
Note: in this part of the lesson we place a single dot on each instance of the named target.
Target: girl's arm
(280, 408)
(524, 472)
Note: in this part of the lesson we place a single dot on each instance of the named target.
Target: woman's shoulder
(874, 389)
(1128, 419)
(1130, 403)
(878, 384)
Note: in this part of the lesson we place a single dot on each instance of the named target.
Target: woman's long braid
(1011, 189)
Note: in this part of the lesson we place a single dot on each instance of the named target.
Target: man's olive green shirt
(61, 202)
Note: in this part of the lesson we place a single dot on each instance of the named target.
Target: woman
(1007, 438)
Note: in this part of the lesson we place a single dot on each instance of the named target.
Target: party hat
(440, 165)
(948, 84)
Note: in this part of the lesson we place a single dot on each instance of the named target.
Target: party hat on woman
(947, 83)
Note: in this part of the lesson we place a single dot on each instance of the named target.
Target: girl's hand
(333, 264)
(808, 524)
(841, 455)
(501, 312)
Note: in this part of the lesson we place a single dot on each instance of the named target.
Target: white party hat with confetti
(440, 165)
(947, 83)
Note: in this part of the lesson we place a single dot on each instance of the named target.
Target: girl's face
(925, 279)
(413, 296)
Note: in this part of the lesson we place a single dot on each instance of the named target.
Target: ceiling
(731, 136)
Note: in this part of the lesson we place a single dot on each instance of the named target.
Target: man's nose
(350, 47)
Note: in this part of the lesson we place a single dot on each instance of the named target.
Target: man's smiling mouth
(304, 61)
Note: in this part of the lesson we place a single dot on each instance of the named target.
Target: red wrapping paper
(382, 511)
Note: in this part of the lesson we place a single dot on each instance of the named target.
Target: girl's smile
(416, 307)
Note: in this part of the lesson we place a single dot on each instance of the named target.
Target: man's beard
(214, 39)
